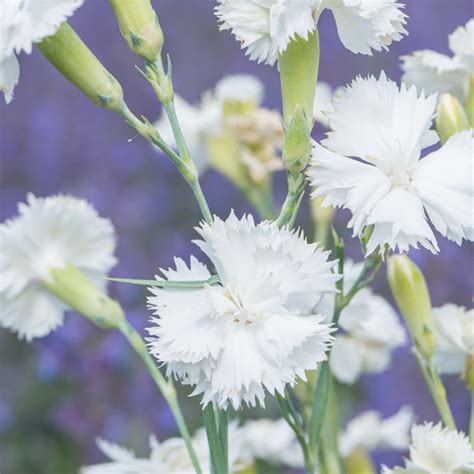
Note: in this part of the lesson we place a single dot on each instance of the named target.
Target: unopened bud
(468, 372)
(410, 291)
(358, 462)
(451, 117)
(75, 61)
(297, 144)
(469, 103)
(73, 288)
(299, 75)
(139, 26)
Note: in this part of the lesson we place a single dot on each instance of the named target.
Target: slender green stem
(436, 388)
(295, 190)
(165, 386)
(223, 429)
(201, 200)
(471, 421)
(218, 459)
(293, 419)
(185, 167)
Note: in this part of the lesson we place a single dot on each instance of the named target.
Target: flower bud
(468, 372)
(469, 103)
(73, 288)
(451, 117)
(139, 26)
(299, 75)
(410, 291)
(297, 144)
(74, 60)
(358, 462)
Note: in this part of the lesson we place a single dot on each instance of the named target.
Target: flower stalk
(166, 387)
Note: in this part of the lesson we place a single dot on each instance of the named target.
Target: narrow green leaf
(213, 280)
(320, 404)
(215, 447)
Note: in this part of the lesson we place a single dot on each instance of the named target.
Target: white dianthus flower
(205, 119)
(454, 330)
(255, 330)
(272, 441)
(366, 25)
(437, 450)
(49, 233)
(434, 72)
(23, 23)
(371, 331)
(266, 27)
(169, 457)
(391, 188)
(368, 432)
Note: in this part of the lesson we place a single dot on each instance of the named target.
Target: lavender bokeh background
(59, 393)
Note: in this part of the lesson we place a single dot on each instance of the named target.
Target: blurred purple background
(59, 393)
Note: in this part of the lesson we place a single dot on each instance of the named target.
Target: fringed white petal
(444, 182)
(364, 25)
(433, 72)
(9, 76)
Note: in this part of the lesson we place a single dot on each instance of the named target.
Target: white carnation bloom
(266, 27)
(371, 331)
(437, 450)
(386, 128)
(366, 25)
(454, 330)
(49, 233)
(272, 441)
(23, 23)
(254, 331)
(434, 72)
(205, 119)
(170, 456)
(368, 432)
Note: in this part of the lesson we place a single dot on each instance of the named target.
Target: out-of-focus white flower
(266, 27)
(434, 72)
(366, 25)
(368, 432)
(454, 329)
(254, 331)
(272, 441)
(386, 128)
(169, 457)
(437, 450)
(49, 233)
(204, 120)
(371, 331)
(23, 23)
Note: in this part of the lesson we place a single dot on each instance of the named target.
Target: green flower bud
(451, 117)
(75, 61)
(358, 462)
(410, 291)
(468, 373)
(73, 288)
(469, 103)
(297, 144)
(139, 26)
(299, 75)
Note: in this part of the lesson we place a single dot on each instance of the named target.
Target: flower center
(400, 179)
(237, 311)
